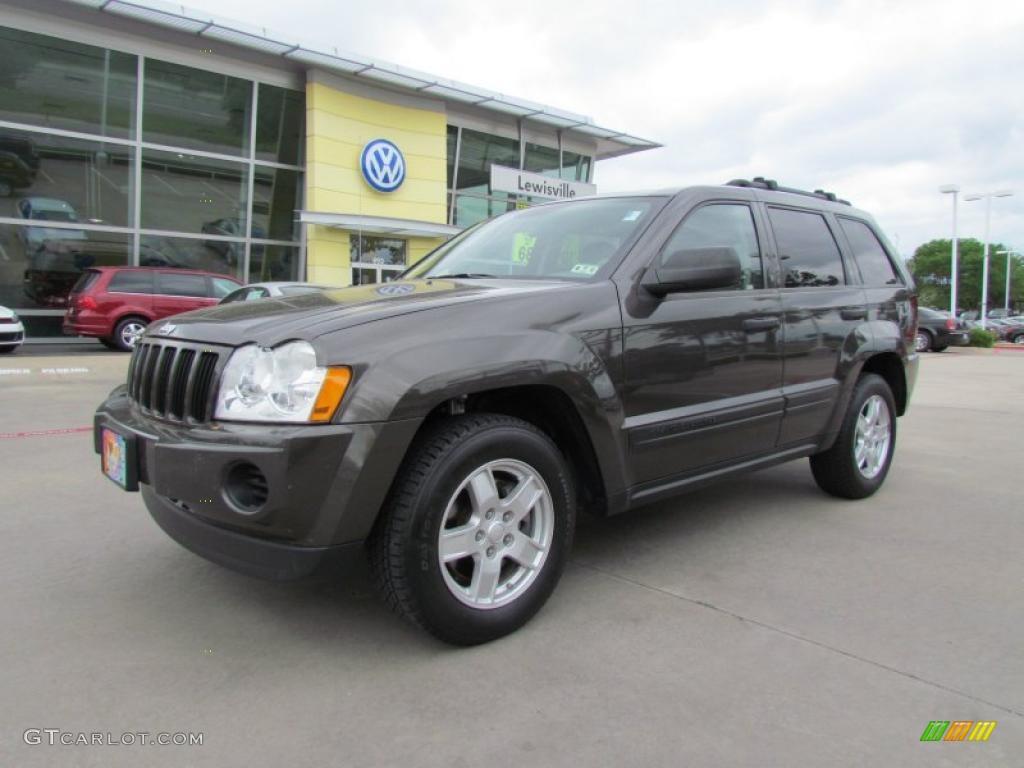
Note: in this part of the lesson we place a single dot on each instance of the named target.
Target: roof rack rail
(760, 182)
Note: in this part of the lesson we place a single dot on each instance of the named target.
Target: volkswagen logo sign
(395, 289)
(383, 165)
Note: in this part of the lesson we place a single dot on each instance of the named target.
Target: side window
(807, 251)
(131, 281)
(722, 225)
(873, 261)
(222, 287)
(171, 284)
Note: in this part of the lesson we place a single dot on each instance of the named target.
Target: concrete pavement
(758, 622)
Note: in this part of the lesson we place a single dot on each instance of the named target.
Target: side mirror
(694, 269)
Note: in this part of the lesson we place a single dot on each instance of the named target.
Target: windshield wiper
(455, 275)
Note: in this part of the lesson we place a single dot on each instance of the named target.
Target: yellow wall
(338, 126)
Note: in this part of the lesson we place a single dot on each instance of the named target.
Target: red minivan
(116, 304)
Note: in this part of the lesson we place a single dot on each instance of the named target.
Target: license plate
(116, 459)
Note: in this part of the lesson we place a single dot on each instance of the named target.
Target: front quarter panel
(570, 339)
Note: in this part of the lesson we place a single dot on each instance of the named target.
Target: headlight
(283, 384)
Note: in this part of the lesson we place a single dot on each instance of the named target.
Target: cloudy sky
(881, 102)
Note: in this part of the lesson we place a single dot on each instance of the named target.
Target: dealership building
(147, 134)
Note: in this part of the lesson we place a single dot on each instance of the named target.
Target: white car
(12, 332)
(273, 290)
(46, 209)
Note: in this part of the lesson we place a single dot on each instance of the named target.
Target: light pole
(954, 190)
(1010, 253)
(987, 197)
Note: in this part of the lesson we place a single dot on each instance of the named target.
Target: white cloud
(880, 101)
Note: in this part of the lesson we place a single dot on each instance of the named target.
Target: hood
(273, 320)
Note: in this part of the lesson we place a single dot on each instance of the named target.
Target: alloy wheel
(496, 533)
(873, 436)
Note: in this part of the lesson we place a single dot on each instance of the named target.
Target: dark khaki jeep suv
(597, 354)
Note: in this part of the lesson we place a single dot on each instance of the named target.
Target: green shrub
(979, 337)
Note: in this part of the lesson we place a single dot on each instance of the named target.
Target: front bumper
(324, 484)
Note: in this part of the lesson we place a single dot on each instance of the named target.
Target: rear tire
(8, 350)
(456, 550)
(857, 463)
(922, 341)
(127, 332)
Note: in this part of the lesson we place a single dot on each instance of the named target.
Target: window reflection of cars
(52, 270)
(230, 252)
(46, 209)
(19, 164)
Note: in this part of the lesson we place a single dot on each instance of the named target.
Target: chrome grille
(173, 381)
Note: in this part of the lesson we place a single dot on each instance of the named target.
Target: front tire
(857, 463)
(477, 528)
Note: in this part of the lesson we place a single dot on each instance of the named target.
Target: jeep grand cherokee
(597, 354)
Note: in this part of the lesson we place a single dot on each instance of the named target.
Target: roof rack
(760, 182)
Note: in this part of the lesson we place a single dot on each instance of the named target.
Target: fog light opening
(246, 488)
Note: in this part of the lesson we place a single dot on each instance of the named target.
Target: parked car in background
(274, 290)
(115, 304)
(937, 330)
(19, 164)
(46, 209)
(12, 332)
(1008, 329)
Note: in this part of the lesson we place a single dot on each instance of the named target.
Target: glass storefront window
(193, 108)
(453, 140)
(38, 265)
(273, 262)
(378, 250)
(575, 167)
(541, 159)
(280, 120)
(277, 194)
(479, 151)
(188, 193)
(471, 210)
(56, 83)
(193, 253)
(49, 177)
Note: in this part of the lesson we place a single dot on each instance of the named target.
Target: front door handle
(761, 324)
(858, 313)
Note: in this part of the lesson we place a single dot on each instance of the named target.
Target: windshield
(571, 240)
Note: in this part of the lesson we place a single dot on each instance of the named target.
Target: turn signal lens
(331, 391)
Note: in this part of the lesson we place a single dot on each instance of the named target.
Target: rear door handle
(854, 314)
(761, 324)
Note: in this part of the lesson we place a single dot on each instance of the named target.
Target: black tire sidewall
(868, 386)
(441, 609)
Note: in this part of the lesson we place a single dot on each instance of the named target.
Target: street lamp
(1009, 254)
(954, 190)
(987, 197)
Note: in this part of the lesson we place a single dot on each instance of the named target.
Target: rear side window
(171, 284)
(807, 251)
(722, 225)
(131, 282)
(88, 278)
(872, 260)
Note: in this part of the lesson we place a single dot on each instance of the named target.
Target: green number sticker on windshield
(522, 248)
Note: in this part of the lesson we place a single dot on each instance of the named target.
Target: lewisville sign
(518, 182)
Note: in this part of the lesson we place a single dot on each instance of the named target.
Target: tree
(931, 269)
